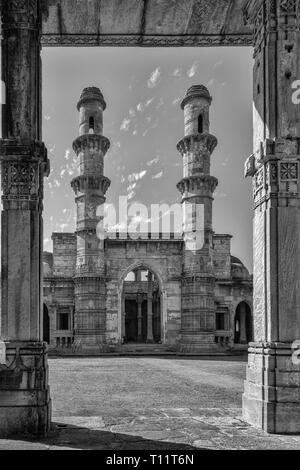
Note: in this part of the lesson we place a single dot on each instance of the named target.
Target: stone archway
(141, 305)
(242, 324)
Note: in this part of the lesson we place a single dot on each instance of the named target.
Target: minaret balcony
(204, 142)
(94, 142)
(86, 183)
(197, 185)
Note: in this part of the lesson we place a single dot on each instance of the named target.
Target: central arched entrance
(141, 299)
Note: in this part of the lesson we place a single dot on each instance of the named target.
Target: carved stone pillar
(52, 310)
(271, 398)
(139, 302)
(24, 392)
(123, 318)
(149, 310)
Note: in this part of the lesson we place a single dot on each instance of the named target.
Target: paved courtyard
(122, 403)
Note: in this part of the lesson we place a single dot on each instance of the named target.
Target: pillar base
(271, 399)
(25, 405)
(89, 342)
(197, 343)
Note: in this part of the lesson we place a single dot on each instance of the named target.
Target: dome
(238, 269)
(91, 94)
(196, 91)
(47, 271)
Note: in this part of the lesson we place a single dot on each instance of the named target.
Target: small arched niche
(200, 123)
(91, 125)
(242, 324)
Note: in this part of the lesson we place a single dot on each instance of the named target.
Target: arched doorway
(141, 297)
(46, 324)
(242, 324)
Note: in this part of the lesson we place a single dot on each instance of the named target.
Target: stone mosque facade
(149, 293)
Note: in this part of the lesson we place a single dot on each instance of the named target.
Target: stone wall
(64, 254)
(164, 259)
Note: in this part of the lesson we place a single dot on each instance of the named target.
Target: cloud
(47, 117)
(130, 195)
(152, 162)
(131, 112)
(131, 187)
(136, 176)
(142, 106)
(217, 64)
(192, 71)
(68, 154)
(177, 72)
(160, 103)
(154, 78)
(158, 176)
(125, 124)
(176, 100)
(211, 82)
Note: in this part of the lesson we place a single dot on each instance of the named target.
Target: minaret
(197, 187)
(90, 188)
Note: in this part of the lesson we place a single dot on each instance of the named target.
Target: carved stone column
(24, 392)
(139, 303)
(149, 310)
(123, 318)
(271, 398)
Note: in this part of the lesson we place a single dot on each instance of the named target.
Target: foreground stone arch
(271, 399)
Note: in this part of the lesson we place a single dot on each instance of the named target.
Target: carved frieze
(23, 166)
(197, 143)
(198, 185)
(23, 14)
(83, 183)
(147, 40)
(288, 171)
(91, 142)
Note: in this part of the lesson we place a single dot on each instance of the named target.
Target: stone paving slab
(149, 404)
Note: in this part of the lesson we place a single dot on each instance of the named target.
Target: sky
(143, 120)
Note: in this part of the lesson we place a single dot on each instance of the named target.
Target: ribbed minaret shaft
(197, 187)
(90, 188)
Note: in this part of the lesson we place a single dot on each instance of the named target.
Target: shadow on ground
(76, 437)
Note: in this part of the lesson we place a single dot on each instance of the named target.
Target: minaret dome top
(196, 91)
(91, 94)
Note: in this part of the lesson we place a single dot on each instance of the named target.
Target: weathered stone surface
(25, 405)
(274, 166)
(151, 23)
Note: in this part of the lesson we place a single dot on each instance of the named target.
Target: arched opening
(91, 125)
(242, 324)
(141, 307)
(200, 123)
(46, 324)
